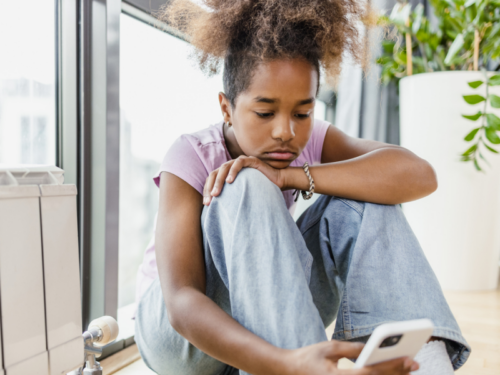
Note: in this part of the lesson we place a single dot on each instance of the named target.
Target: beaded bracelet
(306, 194)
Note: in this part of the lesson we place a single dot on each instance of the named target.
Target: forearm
(385, 176)
(210, 329)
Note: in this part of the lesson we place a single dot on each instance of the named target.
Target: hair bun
(270, 29)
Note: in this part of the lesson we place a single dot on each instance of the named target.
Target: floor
(478, 315)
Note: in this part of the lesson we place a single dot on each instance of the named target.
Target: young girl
(241, 286)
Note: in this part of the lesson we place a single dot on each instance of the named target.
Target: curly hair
(243, 33)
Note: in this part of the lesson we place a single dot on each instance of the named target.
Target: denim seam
(346, 317)
(346, 202)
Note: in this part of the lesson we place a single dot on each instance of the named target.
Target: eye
(302, 115)
(264, 115)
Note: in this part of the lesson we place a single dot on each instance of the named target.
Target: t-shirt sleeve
(183, 161)
(312, 152)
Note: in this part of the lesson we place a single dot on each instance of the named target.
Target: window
(27, 82)
(163, 94)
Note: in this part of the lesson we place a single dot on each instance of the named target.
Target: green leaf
(434, 41)
(495, 29)
(470, 150)
(422, 36)
(494, 80)
(494, 101)
(468, 3)
(492, 136)
(491, 149)
(477, 165)
(455, 47)
(417, 21)
(474, 99)
(486, 161)
(493, 121)
(469, 137)
(388, 46)
(473, 117)
(475, 84)
(400, 13)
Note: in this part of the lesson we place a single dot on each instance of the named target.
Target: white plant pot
(458, 226)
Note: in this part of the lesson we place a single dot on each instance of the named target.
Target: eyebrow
(260, 99)
(306, 101)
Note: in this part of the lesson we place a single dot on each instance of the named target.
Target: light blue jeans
(356, 262)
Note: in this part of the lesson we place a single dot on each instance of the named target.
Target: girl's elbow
(430, 179)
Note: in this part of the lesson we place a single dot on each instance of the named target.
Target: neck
(231, 143)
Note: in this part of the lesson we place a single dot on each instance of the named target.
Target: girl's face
(273, 119)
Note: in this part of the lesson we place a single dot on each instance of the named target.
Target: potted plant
(450, 115)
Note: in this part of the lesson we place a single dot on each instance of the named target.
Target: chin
(278, 164)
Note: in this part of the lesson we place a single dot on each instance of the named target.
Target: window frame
(88, 141)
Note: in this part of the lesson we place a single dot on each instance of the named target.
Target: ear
(225, 107)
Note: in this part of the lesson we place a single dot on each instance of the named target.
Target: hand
(322, 359)
(228, 171)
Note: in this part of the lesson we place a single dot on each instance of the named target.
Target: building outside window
(27, 82)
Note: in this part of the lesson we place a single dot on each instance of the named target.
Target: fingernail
(214, 191)
(229, 179)
(414, 366)
(205, 199)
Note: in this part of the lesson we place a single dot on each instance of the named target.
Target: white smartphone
(394, 340)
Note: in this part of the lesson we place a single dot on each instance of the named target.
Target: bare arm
(366, 170)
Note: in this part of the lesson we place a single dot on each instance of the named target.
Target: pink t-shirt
(193, 156)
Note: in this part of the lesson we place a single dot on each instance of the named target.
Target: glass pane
(163, 94)
(27, 82)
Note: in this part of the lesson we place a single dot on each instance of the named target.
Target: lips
(280, 154)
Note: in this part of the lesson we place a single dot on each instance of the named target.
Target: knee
(253, 179)
(252, 186)
(252, 195)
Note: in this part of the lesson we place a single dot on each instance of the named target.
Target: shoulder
(206, 137)
(193, 156)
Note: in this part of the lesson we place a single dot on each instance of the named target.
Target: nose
(283, 129)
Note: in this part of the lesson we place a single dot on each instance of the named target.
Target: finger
(219, 180)
(341, 349)
(361, 371)
(243, 162)
(236, 167)
(209, 184)
(398, 366)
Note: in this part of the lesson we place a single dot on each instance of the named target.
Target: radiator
(41, 323)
